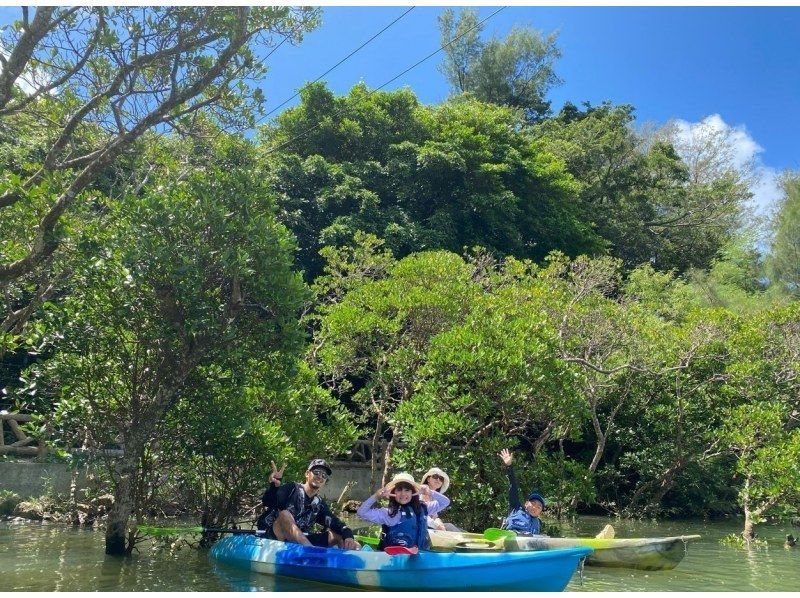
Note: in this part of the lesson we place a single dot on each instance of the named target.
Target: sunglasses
(320, 473)
(404, 487)
(436, 476)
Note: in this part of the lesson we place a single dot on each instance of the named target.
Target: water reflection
(238, 580)
(43, 557)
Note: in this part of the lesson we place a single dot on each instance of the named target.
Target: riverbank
(52, 557)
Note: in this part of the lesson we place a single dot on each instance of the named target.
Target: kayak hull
(650, 554)
(548, 571)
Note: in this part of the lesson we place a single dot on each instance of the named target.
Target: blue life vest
(519, 520)
(411, 530)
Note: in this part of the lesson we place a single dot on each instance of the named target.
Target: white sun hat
(439, 472)
(402, 478)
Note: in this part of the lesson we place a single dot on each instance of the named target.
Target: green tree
(784, 256)
(516, 71)
(230, 422)
(86, 83)
(449, 177)
(495, 380)
(196, 271)
(763, 430)
(371, 343)
(673, 437)
(637, 192)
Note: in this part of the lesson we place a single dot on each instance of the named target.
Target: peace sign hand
(277, 474)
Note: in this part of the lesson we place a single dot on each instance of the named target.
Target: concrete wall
(343, 472)
(28, 478)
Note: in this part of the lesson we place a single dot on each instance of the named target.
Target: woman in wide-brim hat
(404, 521)
(437, 480)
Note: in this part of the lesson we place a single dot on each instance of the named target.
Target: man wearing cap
(292, 510)
(523, 519)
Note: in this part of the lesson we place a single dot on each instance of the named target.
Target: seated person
(292, 510)
(405, 521)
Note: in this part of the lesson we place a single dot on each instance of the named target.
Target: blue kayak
(547, 570)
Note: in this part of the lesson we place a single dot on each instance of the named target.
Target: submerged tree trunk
(124, 495)
(748, 532)
(145, 416)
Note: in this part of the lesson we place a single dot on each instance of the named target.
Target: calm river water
(44, 557)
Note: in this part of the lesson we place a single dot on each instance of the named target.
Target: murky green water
(43, 557)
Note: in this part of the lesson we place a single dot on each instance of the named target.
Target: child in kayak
(523, 519)
(404, 521)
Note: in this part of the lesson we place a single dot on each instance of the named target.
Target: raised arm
(513, 492)
(436, 502)
(381, 516)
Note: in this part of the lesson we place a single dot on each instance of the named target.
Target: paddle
(398, 550)
(494, 533)
(368, 540)
(177, 531)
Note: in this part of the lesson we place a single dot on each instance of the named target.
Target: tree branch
(23, 50)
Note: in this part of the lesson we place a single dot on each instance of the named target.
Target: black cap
(319, 463)
(536, 496)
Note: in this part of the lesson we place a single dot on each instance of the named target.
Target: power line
(413, 66)
(335, 65)
(435, 52)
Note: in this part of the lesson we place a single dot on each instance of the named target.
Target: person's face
(435, 481)
(317, 477)
(534, 507)
(403, 493)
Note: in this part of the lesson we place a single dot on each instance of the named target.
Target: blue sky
(737, 66)
(673, 62)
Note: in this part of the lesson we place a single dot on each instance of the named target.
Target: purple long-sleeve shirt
(381, 515)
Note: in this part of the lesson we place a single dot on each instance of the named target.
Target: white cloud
(766, 190)
(741, 152)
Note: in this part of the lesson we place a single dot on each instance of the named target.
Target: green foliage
(8, 502)
(223, 433)
(516, 71)
(372, 342)
(637, 193)
(185, 304)
(448, 177)
(737, 541)
(784, 255)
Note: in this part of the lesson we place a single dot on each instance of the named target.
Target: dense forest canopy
(441, 280)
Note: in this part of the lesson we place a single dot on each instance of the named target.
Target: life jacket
(305, 519)
(411, 530)
(520, 521)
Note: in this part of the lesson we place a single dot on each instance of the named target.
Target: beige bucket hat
(439, 472)
(403, 477)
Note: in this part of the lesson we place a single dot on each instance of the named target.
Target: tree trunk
(749, 531)
(375, 450)
(120, 513)
(129, 467)
(387, 460)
